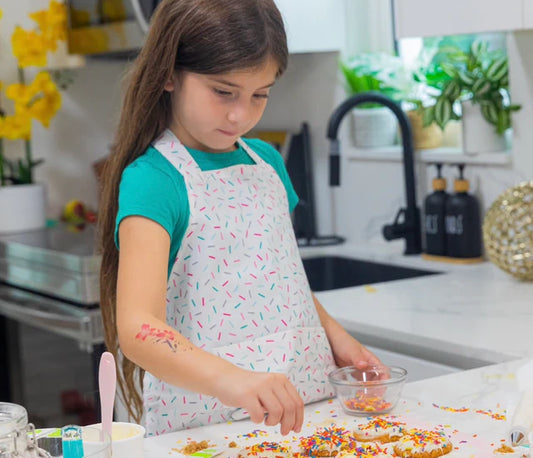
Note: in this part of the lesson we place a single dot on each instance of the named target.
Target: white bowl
(127, 439)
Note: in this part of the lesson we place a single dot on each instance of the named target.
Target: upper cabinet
(528, 14)
(422, 18)
(313, 25)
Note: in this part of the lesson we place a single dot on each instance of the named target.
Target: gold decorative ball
(508, 231)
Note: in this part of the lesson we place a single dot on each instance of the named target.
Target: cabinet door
(421, 18)
(313, 25)
(528, 14)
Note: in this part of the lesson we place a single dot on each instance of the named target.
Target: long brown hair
(200, 36)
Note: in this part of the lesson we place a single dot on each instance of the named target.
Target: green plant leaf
(449, 69)
(479, 48)
(466, 78)
(450, 89)
(503, 122)
(497, 70)
(443, 112)
(480, 88)
(428, 115)
(490, 111)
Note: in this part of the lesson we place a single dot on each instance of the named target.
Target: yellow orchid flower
(52, 24)
(40, 99)
(29, 47)
(16, 126)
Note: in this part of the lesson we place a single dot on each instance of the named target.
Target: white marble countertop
(468, 316)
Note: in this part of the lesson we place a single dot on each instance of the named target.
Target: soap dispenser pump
(463, 221)
(434, 217)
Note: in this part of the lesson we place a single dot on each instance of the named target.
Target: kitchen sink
(334, 272)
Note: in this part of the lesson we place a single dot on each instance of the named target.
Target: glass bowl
(371, 391)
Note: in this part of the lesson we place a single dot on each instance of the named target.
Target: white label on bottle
(454, 224)
(432, 224)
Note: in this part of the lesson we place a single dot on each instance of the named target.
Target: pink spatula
(107, 383)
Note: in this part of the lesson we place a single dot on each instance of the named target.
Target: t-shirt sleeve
(275, 159)
(149, 192)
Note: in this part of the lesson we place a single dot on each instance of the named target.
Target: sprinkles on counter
(490, 413)
(255, 433)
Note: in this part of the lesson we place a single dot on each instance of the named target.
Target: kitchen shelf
(442, 155)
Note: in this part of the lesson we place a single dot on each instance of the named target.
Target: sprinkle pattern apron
(237, 289)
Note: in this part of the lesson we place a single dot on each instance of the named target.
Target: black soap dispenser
(463, 221)
(434, 217)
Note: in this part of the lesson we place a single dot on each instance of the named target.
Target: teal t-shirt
(153, 188)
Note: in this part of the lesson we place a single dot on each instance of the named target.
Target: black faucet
(409, 228)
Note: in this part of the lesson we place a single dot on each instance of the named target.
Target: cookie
(326, 442)
(366, 450)
(265, 450)
(417, 443)
(378, 429)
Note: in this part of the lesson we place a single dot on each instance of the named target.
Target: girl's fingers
(273, 407)
(288, 417)
(299, 407)
(256, 411)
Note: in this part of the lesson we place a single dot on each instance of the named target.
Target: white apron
(237, 289)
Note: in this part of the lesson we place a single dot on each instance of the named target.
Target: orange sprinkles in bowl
(367, 403)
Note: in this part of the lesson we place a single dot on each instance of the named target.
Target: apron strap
(256, 158)
(174, 151)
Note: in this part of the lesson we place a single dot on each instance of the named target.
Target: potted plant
(478, 83)
(22, 201)
(428, 81)
(374, 125)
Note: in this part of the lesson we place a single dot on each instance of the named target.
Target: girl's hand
(266, 396)
(347, 351)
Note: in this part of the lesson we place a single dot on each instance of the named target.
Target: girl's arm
(346, 350)
(149, 342)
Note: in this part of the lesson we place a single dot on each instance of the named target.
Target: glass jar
(17, 436)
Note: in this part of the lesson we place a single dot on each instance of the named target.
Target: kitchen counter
(471, 407)
(470, 316)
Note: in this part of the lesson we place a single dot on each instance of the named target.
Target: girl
(202, 285)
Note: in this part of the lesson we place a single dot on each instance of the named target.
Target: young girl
(202, 285)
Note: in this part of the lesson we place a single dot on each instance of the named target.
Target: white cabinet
(421, 18)
(528, 14)
(313, 25)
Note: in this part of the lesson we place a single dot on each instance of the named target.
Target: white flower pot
(373, 127)
(22, 208)
(479, 136)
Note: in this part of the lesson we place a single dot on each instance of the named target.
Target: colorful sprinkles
(255, 433)
(490, 413)
(261, 448)
(327, 439)
(364, 402)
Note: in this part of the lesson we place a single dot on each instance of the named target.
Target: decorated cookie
(366, 450)
(417, 443)
(326, 442)
(265, 450)
(379, 429)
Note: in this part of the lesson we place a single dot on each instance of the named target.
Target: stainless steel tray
(54, 261)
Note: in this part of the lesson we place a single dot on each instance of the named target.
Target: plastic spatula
(107, 383)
